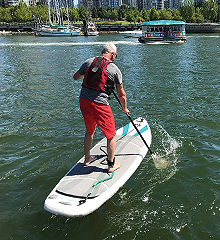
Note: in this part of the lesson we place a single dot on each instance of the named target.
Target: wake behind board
(75, 195)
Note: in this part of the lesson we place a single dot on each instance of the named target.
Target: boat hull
(95, 33)
(143, 39)
(57, 34)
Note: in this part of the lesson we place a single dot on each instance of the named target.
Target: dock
(110, 27)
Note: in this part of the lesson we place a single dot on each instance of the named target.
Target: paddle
(159, 162)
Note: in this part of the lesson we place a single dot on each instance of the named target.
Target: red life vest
(96, 76)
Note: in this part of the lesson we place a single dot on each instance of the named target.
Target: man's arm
(81, 71)
(122, 98)
(77, 76)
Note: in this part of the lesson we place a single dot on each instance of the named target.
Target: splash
(159, 162)
(166, 154)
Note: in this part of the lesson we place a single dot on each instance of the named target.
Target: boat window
(153, 29)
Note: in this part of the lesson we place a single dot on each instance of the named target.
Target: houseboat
(169, 31)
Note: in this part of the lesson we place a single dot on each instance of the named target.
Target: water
(175, 87)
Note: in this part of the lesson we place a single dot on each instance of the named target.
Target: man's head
(109, 51)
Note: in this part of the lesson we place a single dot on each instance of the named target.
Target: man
(100, 75)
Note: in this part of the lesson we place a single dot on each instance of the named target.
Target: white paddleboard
(75, 195)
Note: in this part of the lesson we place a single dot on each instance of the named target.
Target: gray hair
(109, 48)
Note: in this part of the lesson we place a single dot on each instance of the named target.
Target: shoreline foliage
(208, 11)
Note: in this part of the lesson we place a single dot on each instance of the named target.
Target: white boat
(132, 34)
(57, 31)
(92, 31)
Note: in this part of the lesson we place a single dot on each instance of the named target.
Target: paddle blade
(159, 162)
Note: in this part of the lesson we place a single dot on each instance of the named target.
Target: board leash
(97, 182)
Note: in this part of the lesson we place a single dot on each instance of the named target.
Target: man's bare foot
(115, 167)
(90, 160)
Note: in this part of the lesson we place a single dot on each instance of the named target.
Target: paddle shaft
(134, 125)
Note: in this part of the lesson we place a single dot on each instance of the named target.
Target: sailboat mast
(67, 12)
(49, 13)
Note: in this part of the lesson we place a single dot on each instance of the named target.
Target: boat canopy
(163, 22)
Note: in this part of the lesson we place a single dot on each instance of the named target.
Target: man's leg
(90, 124)
(87, 146)
(111, 144)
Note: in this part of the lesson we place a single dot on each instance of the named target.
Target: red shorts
(98, 114)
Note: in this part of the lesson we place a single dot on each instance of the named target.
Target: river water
(175, 87)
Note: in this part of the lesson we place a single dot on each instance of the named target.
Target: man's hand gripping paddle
(159, 162)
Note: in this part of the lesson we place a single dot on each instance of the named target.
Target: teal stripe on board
(125, 129)
(141, 131)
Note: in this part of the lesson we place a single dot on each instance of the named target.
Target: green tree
(154, 15)
(6, 14)
(108, 12)
(100, 12)
(165, 14)
(39, 12)
(94, 12)
(130, 16)
(209, 10)
(187, 10)
(1, 14)
(83, 14)
(114, 14)
(218, 16)
(133, 15)
(22, 13)
(122, 11)
(214, 11)
(176, 15)
(103, 13)
(73, 14)
(33, 10)
(197, 16)
(137, 14)
(145, 15)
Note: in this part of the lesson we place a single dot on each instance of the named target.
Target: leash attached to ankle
(111, 164)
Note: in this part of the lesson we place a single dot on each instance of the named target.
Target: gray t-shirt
(96, 96)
